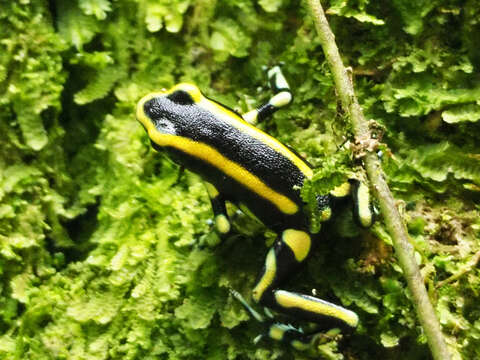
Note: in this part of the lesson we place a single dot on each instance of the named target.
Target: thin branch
(393, 220)
(465, 270)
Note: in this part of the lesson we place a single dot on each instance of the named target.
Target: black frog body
(244, 165)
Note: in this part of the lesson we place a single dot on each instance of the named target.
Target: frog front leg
(283, 97)
(362, 204)
(221, 220)
(286, 254)
(363, 211)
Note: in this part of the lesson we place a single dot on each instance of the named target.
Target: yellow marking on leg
(211, 190)
(251, 117)
(280, 81)
(341, 190)
(276, 332)
(309, 304)
(301, 346)
(281, 99)
(364, 213)
(298, 241)
(222, 224)
(267, 277)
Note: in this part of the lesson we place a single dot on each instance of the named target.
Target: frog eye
(181, 97)
(165, 126)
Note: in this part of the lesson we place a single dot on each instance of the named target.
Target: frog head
(170, 113)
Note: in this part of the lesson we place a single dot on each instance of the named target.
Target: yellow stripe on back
(233, 119)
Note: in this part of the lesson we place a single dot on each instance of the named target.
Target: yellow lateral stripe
(298, 241)
(317, 306)
(239, 123)
(235, 171)
(268, 276)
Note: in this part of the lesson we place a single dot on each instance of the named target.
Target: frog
(243, 165)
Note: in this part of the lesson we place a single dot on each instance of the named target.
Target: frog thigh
(282, 260)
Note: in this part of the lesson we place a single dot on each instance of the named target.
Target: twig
(393, 220)
(468, 267)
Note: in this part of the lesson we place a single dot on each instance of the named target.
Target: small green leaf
(99, 86)
(197, 315)
(98, 8)
(353, 9)
(33, 131)
(270, 5)
(74, 26)
(389, 339)
(462, 113)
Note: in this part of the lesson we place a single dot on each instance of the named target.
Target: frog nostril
(151, 108)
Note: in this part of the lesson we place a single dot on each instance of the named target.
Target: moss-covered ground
(107, 250)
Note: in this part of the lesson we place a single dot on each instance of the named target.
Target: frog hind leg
(283, 97)
(277, 331)
(293, 336)
(286, 254)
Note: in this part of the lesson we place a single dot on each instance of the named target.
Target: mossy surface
(107, 250)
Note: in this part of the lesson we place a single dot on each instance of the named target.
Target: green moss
(106, 251)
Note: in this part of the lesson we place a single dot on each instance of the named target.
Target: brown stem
(393, 220)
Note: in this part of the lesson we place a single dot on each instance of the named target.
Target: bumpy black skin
(191, 121)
